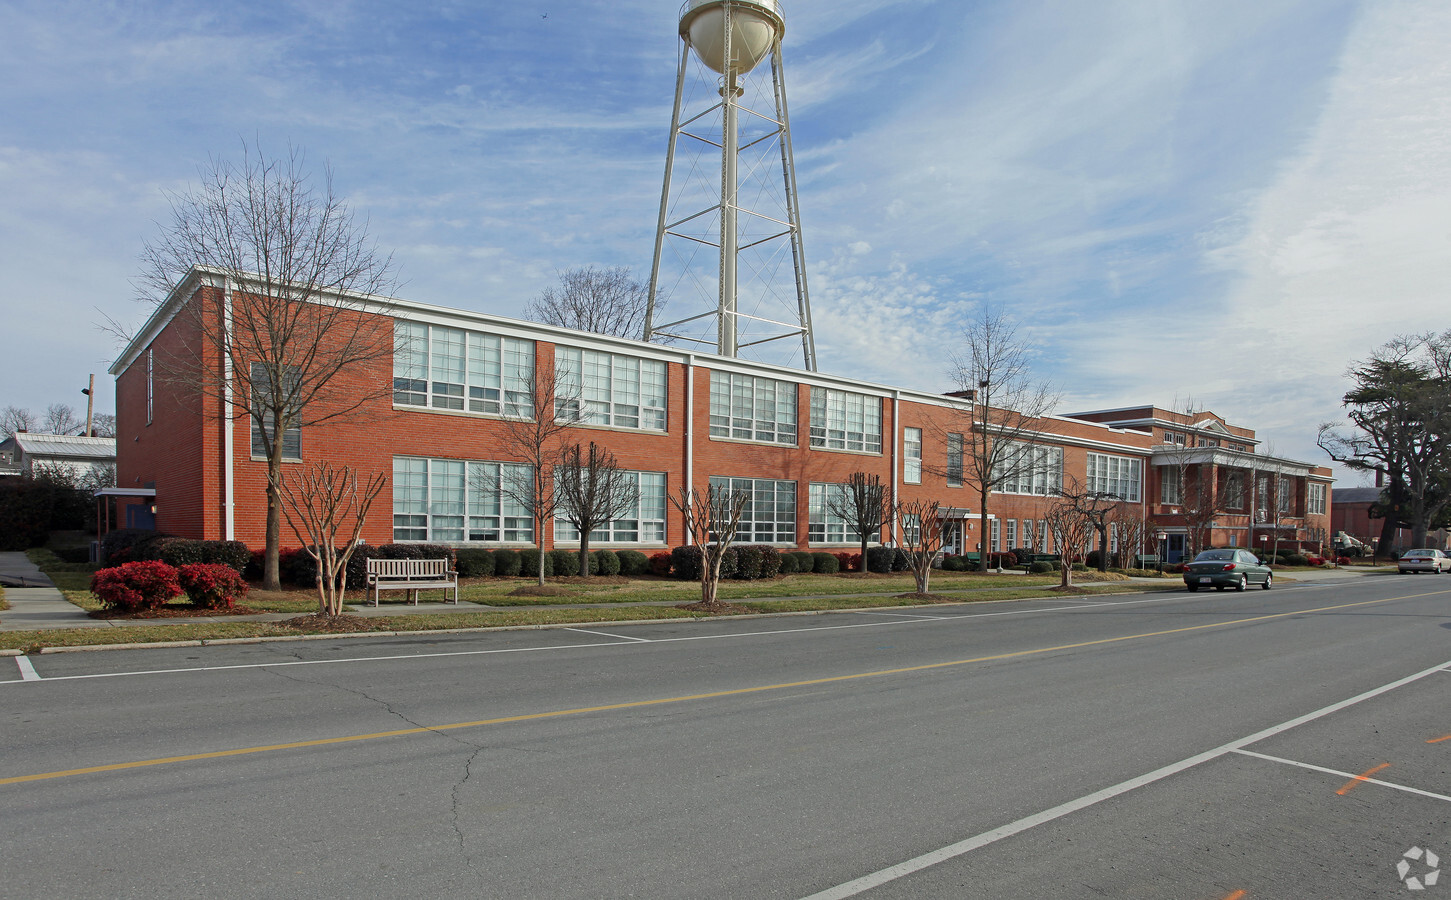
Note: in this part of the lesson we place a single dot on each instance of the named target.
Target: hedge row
(149, 584)
(134, 545)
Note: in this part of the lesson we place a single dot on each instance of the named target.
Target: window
(1262, 495)
(1234, 490)
(645, 524)
(1030, 469)
(846, 421)
(1174, 437)
(997, 528)
(824, 527)
(263, 399)
(1028, 534)
(954, 460)
(449, 368)
(1315, 500)
(458, 500)
(1117, 475)
(912, 455)
(1284, 488)
(150, 383)
(752, 409)
(1209, 442)
(770, 513)
(912, 529)
(1010, 533)
(1170, 489)
(612, 389)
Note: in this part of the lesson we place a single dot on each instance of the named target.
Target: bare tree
(60, 418)
(605, 301)
(862, 504)
(711, 521)
(922, 537)
(593, 490)
(535, 436)
(322, 502)
(1132, 531)
(103, 425)
(1072, 517)
(295, 266)
(15, 419)
(1008, 403)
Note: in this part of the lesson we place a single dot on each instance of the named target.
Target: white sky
(1228, 201)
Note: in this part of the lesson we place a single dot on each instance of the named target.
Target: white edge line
(620, 642)
(27, 669)
(1349, 775)
(891, 873)
(618, 637)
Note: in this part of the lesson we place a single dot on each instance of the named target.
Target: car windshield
(1420, 553)
(1215, 556)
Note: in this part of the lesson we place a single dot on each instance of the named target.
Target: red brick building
(672, 417)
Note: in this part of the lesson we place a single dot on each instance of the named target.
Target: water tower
(730, 184)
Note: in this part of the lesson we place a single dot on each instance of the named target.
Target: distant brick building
(672, 417)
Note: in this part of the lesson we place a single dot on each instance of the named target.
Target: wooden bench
(1146, 560)
(412, 575)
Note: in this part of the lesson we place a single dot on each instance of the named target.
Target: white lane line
(1347, 775)
(27, 669)
(907, 616)
(618, 637)
(926, 860)
(554, 647)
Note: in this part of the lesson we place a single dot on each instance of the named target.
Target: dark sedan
(1222, 569)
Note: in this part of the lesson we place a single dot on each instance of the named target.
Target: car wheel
(1191, 588)
(1243, 583)
(1268, 578)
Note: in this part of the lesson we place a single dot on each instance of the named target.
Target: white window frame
(291, 434)
(1044, 477)
(1117, 475)
(643, 525)
(770, 513)
(954, 459)
(752, 408)
(455, 369)
(825, 528)
(457, 501)
(911, 455)
(612, 389)
(1315, 499)
(844, 420)
(150, 383)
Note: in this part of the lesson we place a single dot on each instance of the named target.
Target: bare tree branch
(593, 490)
(605, 301)
(711, 522)
(321, 502)
(861, 502)
(922, 536)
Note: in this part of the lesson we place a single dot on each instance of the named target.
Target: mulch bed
(929, 598)
(717, 608)
(175, 612)
(334, 624)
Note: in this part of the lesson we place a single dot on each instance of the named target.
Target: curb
(623, 623)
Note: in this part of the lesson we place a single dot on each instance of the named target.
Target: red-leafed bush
(848, 562)
(211, 585)
(660, 563)
(1342, 560)
(136, 586)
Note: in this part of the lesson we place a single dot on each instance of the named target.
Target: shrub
(1079, 567)
(123, 539)
(529, 563)
(1041, 567)
(74, 554)
(880, 559)
(633, 563)
(604, 562)
(805, 561)
(730, 562)
(211, 585)
(825, 564)
(847, 561)
(954, 563)
(770, 561)
(566, 562)
(1092, 559)
(473, 562)
(1003, 560)
(660, 563)
(685, 563)
(1297, 559)
(787, 563)
(180, 552)
(507, 563)
(748, 562)
(134, 586)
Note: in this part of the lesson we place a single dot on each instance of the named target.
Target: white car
(1433, 561)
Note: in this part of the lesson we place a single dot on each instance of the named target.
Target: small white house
(24, 452)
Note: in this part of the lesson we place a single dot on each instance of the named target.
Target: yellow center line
(1362, 777)
(713, 695)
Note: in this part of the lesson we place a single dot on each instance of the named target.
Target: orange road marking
(1363, 776)
(1237, 895)
(1439, 739)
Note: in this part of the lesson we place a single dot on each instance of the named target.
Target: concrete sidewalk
(37, 605)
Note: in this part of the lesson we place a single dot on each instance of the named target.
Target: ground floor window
(645, 524)
(455, 500)
(770, 513)
(824, 526)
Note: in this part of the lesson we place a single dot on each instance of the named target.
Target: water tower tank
(755, 26)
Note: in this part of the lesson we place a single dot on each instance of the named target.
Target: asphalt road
(1290, 743)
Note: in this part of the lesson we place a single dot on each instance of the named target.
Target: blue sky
(1223, 201)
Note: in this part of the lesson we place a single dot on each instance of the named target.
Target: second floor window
(263, 402)
(954, 460)
(912, 455)
(1315, 500)
(449, 368)
(1117, 475)
(749, 408)
(612, 389)
(841, 420)
(1030, 469)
